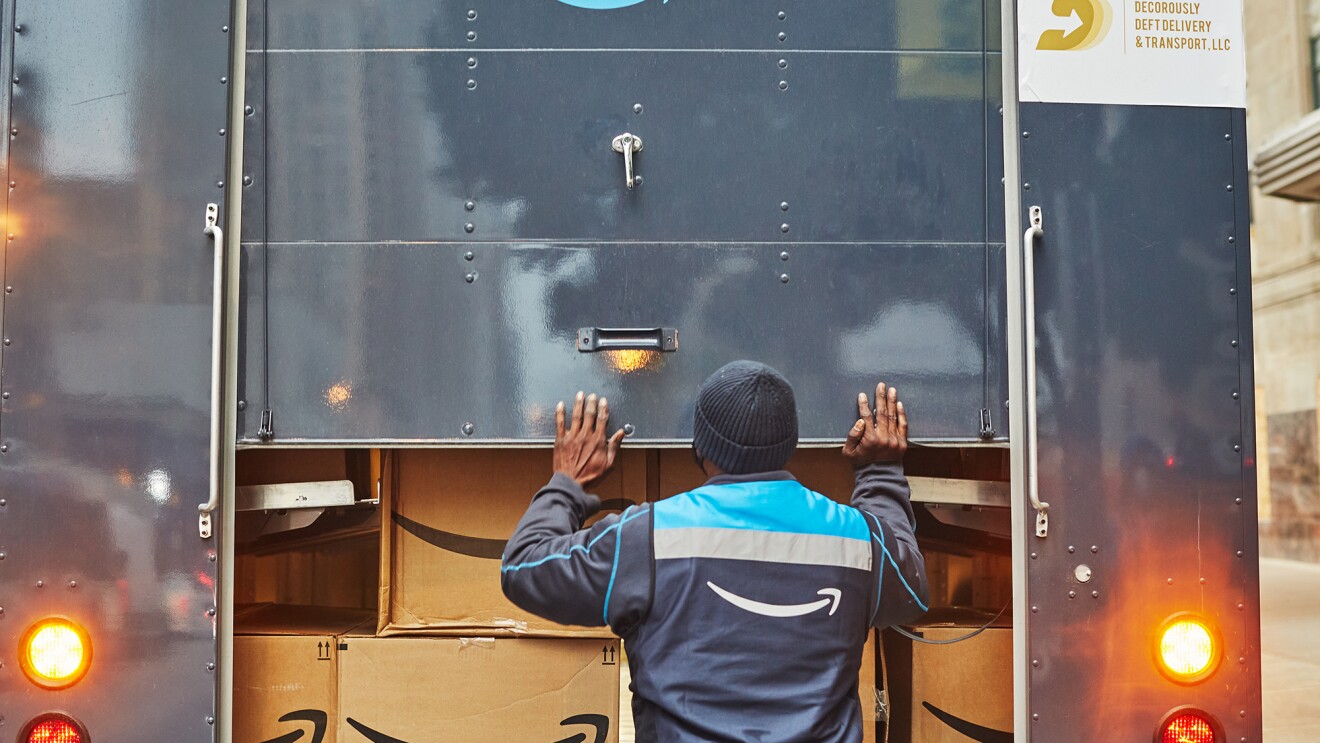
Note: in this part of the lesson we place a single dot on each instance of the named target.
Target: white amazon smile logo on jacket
(832, 596)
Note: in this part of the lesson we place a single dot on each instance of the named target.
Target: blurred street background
(1283, 126)
(1290, 647)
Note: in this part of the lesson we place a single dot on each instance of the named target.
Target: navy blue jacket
(744, 604)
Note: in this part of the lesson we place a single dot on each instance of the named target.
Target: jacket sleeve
(554, 568)
(883, 495)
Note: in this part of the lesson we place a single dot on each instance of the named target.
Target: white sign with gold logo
(1147, 52)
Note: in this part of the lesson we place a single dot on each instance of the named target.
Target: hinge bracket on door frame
(267, 430)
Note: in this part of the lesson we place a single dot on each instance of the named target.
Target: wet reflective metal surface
(114, 153)
(365, 146)
(829, 202)
(952, 25)
(413, 351)
(1146, 422)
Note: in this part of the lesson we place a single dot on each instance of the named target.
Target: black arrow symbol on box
(976, 732)
(318, 719)
(600, 722)
(490, 549)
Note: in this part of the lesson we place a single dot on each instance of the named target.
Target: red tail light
(54, 728)
(1188, 726)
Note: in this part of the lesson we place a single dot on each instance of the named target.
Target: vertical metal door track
(1019, 454)
(229, 429)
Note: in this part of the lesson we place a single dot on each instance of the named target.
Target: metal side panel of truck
(280, 223)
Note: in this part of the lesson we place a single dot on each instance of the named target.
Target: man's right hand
(879, 435)
(582, 449)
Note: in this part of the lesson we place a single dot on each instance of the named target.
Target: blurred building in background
(1283, 127)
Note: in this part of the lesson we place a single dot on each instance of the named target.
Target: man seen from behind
(743, 604)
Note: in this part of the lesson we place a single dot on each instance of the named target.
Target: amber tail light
(55, 653)
(1187, 648)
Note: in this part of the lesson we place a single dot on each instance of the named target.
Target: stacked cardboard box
(286, 671)
(446, 516)
(445, 655)
(478, 689)
(950, 693)
(450, 513)
(320, 673)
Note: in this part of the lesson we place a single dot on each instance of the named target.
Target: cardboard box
(478, 689)
(449, 514)
(340, 573)
(950, 693)
(286, 671)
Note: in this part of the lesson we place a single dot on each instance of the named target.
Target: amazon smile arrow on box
(416, 689)
(316, 675)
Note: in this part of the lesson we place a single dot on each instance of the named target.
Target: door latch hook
(627, 143)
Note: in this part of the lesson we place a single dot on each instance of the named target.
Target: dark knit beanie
(746, 419)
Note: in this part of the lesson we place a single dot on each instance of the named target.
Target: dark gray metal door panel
(650, 24)
(254, 146)
(117, 112)
(994, 153)
(995, 389)
(1145, 451)
(868, 129)
(252, 289)
(391, 341)
(861, 147)
(254, 396)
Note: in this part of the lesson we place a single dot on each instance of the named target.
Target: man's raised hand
(582, 451)
(879, 435)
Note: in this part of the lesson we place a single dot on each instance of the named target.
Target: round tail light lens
(1187, 725)
(55, 653)
(54, 729)
(1187, 649)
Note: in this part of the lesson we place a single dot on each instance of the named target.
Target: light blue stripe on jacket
(777, 506)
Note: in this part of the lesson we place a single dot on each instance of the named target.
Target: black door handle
(591, 340)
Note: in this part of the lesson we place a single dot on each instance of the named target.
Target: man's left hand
(582, 450)
(879, 435)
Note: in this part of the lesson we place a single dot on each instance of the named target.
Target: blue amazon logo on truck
(603, 4)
